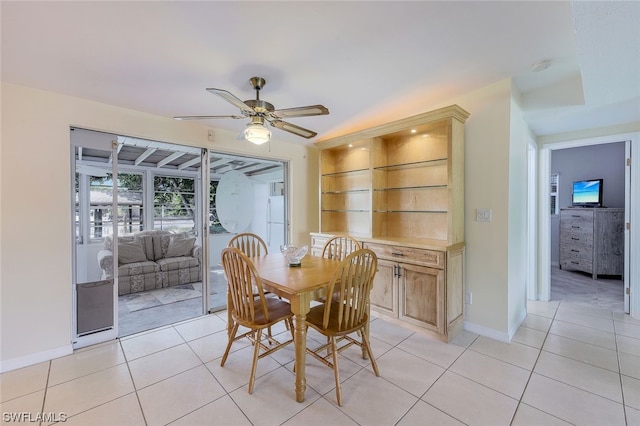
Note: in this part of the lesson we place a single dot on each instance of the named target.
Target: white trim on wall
(35, 358)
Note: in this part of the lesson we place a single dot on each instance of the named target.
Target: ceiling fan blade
(292, 128)
(304, 111)
(206, 117)
(231, 98)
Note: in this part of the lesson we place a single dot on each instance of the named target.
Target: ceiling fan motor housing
(259, 106)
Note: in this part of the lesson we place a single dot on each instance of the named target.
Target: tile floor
(568, 364)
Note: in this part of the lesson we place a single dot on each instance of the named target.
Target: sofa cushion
(131, 252)
(161, 243)
(171, 263)
(137, 268)
(108, 241)
(147, 245)
(180, 247)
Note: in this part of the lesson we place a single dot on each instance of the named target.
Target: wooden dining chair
(339, 247)
(250, 310)
(347, 313)
(250, 244)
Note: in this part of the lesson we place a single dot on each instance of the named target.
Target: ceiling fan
(259, 111)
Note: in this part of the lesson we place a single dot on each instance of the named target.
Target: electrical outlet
(483, 215)
(211, 135)
(468, 298)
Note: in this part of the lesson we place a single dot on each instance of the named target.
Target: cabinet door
(384, 294)
(422, 296)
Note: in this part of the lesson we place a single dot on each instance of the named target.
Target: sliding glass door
(95, 213)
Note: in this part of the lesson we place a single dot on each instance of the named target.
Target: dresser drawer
(574, 237)
(576, 261)
(576, 252)
(425, 257)
(576, 221)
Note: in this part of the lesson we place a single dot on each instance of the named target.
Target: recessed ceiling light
(413, 130)
(541, 65)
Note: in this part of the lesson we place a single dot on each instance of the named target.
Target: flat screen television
(587, 193)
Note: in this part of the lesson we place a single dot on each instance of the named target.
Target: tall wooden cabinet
(399, 189)
(592, 240)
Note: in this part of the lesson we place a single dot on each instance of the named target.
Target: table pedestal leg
(300, 307)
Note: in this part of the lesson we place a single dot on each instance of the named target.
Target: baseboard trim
(36, 358)
(487, 332)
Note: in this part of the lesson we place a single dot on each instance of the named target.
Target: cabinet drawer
(577, 228)
(578, 220)
(576, 251)
(409, 254)
(579, 263)
(576, 238)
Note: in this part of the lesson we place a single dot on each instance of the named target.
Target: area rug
(162, 296)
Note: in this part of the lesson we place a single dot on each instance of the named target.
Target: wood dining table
(297, 284)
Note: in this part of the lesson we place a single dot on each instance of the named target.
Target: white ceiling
(368, 62)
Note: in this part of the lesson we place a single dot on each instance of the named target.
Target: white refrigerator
(275, 223)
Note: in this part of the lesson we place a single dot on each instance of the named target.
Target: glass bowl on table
(294, 254)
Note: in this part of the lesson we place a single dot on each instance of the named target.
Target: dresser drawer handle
(575, 239)
(575, 227)
(575, 263)
(575, 215)
(397, 254)
(575, 251)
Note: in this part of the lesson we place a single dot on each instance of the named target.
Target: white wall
(518, 209)
(487, 150)
(35, 262)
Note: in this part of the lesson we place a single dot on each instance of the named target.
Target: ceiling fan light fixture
(257, 133)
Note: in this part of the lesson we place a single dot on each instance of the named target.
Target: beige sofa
(152, 259)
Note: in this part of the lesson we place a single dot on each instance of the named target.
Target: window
(174, 204)
(555, 183)
(100, 214)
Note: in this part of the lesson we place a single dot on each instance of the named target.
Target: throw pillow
(146, 241)
(180, 247)
(131, 252)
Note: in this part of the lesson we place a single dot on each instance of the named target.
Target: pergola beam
(144, 155)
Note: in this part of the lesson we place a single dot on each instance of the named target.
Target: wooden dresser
(592, 240)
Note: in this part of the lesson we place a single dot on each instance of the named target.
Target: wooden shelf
(413, 165)
(399, 189)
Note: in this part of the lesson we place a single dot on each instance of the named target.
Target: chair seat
(315, 319)
(278, 310)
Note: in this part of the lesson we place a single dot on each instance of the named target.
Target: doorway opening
(545, 246)
(587, 261)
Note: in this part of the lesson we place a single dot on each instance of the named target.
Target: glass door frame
(105, 142)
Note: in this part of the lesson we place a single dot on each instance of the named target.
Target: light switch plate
(483, 215)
